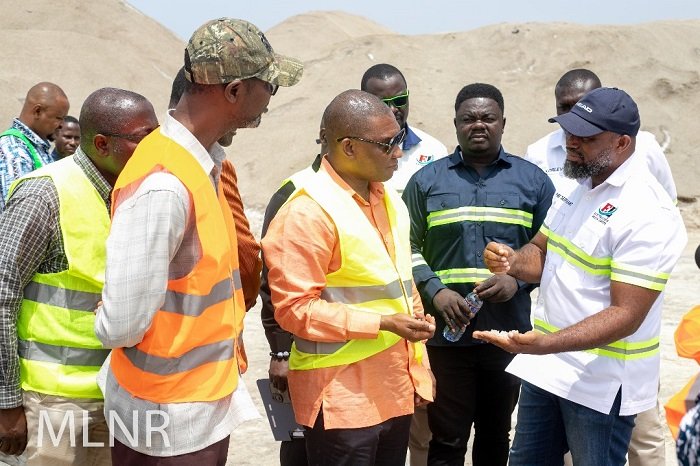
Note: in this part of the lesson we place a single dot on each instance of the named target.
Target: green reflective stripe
(469, 275)
(317, 347)
(61, 297)
(626, 350)
(213, 352)
(417, 259)
(194, 305)
(363, 294)
(544, 229)
(577, 256)
(480, 214)
(638, 276)
(66, 356)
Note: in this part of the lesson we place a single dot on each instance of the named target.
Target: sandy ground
(252, 443)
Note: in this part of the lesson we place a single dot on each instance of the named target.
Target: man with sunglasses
(54, 231)
(339, 269)
(457, 205)
(173, 305)
(419, 148)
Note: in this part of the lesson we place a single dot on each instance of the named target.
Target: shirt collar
(174, 130)
(558, 139)
(634, 164)
(93, 174)
(412, 139)
(456, 157)
(35, 139)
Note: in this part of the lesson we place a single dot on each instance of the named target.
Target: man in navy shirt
(457, 205)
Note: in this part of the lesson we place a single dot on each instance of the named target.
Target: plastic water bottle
(474, 304)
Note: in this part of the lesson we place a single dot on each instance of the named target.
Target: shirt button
(478, 253)
(503, 202)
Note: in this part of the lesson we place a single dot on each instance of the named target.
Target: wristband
(280, 356)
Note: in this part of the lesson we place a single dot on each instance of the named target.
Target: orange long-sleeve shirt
(249, 262)
(301, 247)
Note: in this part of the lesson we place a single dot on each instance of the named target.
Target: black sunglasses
(393, 142)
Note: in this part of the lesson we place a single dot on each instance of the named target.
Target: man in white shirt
(549, 152)
(603, 257)
(419, 148)
(647, 447)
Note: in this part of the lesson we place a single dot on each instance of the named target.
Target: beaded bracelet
(280, 356)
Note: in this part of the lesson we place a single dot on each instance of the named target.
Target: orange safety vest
(687, 339)
(191, 351)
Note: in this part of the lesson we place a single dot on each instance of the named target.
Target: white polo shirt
(626, 229)
(549, 153)
(416, 157)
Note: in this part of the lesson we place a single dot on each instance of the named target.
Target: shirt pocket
(503, 219)
(444, 215)
(587, 256)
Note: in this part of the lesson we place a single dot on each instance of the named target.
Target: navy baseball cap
(603, 109)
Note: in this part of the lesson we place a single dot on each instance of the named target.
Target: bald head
(573, 85)
(351, 113)
(44, 108)
(112, 122)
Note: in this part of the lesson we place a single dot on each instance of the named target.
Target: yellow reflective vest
(59, 353)
(367, 279)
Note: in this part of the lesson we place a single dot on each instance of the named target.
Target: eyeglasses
(397, 101)
(271, 88)
(129, 137)
(393, 142)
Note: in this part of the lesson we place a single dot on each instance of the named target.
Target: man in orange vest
(173, 303)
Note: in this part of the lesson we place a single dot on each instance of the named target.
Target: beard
(579, 171)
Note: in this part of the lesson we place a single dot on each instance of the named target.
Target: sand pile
(112, 44)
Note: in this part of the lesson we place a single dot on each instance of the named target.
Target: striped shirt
(31, 242)
(16, 159)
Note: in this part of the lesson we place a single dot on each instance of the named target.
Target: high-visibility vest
(687, 339)
(36, 160)
(367, 279)
(59, 353)
(190, 352)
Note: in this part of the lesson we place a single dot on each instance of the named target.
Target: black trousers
(383, 444)
(293, 453)
(472, 388)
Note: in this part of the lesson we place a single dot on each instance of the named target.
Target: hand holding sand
(513, 341)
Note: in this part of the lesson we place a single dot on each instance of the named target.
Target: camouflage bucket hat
(226, 49)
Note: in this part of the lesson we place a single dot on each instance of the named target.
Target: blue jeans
(549, 426)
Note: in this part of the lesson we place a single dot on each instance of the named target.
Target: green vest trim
(30, 147)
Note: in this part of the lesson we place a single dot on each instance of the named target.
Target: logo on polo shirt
(604, 213)
(423, 159)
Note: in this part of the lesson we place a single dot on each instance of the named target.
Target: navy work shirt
(454, 213)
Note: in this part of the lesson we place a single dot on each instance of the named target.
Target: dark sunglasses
(397, 101)
(393, 142)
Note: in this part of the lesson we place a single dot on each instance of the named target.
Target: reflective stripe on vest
(367, 278)
(61, 297)
(58, 350)
(198, 356)
(625, 350)
(191, 351)
(361, 294)
(480, 214)
(604, 266)
(63, 355)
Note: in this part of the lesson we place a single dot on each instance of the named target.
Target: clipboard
(280, 414)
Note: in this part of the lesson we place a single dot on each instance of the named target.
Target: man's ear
(232, 90)
(37, 110)
(623, 143)
(348, 147)
(101, 143)
(504, 125)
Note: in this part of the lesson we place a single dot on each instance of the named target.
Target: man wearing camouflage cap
(172, 303)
